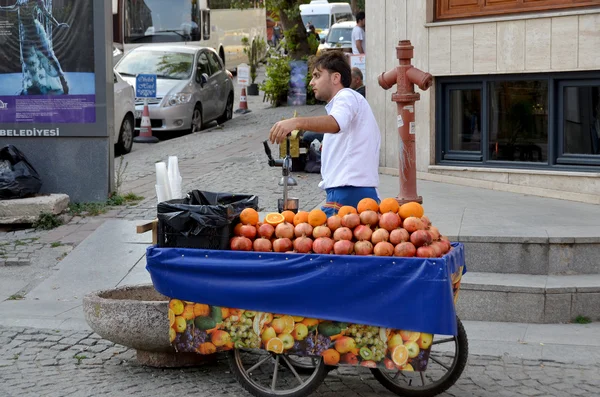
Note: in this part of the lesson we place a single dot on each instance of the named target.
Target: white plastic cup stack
(175, 178)
(163, 189)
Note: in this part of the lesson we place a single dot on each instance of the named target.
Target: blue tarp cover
(401, 293)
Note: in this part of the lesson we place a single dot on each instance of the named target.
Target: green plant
(582, 320)
(255, 50)
(56, 244)
(47, 221)
(276, 84)
(132, 197)
(90, 209)
(16, 297)
(79, 357)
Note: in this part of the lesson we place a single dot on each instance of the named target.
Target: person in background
(358, 34)
(312, 31)
(357, 83)
(351, 141)
(277, 31)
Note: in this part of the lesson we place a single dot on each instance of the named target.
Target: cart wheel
(264, 374)
(306, 365)
(447, 361)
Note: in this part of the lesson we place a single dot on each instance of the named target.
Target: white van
(322, 15)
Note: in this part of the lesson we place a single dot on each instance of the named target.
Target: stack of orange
(383, 229)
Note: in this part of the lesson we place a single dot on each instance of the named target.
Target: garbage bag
(201, 220)
(18, 178)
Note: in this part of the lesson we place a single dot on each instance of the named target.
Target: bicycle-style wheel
(447, 360)
(265, 374)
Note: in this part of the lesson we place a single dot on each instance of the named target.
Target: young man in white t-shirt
(358, 34)
(351, 142)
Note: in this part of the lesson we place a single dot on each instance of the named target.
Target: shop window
(579, 140)
(523, 121)
(464, 122)
(518, 127)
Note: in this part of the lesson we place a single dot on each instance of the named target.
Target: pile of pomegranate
(385, 229)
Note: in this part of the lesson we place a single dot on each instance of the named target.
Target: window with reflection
(465, 120)
(518, 121)
(581, 120)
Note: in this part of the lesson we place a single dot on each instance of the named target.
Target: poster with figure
(297, 87)
(47, 61)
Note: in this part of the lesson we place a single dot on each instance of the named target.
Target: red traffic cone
(243, 109)
(145, 128)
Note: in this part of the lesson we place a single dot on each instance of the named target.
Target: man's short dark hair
(333, 62)
(360, 16)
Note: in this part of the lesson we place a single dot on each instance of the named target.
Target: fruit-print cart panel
(204, 329)
(386, 292)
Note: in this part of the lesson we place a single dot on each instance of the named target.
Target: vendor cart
(286, 319)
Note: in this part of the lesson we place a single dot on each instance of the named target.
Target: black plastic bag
(18, 178)
(201, 220)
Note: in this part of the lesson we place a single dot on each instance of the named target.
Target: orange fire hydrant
(405, 76)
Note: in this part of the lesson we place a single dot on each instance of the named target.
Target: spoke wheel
(125, 141)
(197, 119)
(447, 360)
(265, 374)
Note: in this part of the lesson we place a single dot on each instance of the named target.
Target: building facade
(515, 104)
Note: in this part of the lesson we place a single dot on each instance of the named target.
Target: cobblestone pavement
(37, 362)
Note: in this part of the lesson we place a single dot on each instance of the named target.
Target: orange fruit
(367, 204)
(400, 355)
(411, 209)
(237, 229)
(201, 309)
(389, 204)
(331, 357)
(288, 324)
(345, 210)
(188, 312)
(317, 217)
(275, 345)
(410, 336)
(289, 216)
(274, 219)
(300, 217)
(172, 334)
(249, 216)
(171, 318)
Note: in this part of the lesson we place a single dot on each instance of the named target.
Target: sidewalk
(113, 255)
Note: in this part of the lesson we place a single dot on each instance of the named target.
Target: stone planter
(137, 317)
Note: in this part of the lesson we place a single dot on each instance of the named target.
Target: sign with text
(145, 86)
(243, 75)
(359, 61)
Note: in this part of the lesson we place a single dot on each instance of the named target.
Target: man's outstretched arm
(321, 124)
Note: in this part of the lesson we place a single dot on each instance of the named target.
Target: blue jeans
(347, 195)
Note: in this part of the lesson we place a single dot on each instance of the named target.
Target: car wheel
(197, 119)
(228, 113)
(125, 141)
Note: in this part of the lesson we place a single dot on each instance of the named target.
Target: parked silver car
(193, 87)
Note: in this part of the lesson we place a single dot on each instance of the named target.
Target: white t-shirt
(358, 33)
(350, 157)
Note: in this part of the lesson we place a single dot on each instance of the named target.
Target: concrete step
(527, 298)
(573, 252)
